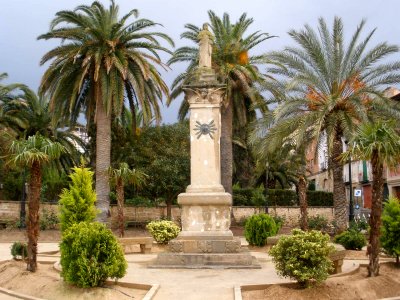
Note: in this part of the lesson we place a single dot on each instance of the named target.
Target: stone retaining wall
(10, 210)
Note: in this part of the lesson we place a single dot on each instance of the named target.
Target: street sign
(357, 193)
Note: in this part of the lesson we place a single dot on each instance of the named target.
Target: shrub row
(277, 197)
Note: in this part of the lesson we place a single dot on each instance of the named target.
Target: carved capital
(204, 95)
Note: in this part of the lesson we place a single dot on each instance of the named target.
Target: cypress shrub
(258, 228)
(77, 203)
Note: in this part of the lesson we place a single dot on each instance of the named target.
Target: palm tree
(330, 87)
(120, 177)
(34, 152)
(378, 142)
(29, 115)
(234, 66)
(6, 96)
(281, 160)
(101, 59)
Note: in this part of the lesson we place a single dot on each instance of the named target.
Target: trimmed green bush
(258, 228)
(19, 250)
(390, 237)
(318, 223)
(163, 231)
(303, 256)
(319, 198)
(351, 239)
(90, 254)
(77, 203)
(278, 197)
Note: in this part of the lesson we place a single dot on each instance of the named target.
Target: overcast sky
(21, 21)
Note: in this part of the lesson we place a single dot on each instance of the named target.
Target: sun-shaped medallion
(205, 128)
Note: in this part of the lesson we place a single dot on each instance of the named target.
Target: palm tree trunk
(103, 152)
(226, 147)
(302, 193)
(35, 184)
(120, 200)
(339, 189)
(376, 212)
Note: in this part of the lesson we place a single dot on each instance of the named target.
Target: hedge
(278, 197)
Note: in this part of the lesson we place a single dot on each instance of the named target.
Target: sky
(22, 21)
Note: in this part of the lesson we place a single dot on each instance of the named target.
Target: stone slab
(204, 246)
(205, 235)
(204, 261)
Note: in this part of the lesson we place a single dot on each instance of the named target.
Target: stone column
(205, 205)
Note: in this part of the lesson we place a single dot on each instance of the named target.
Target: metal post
(351, 208)
(266, 188)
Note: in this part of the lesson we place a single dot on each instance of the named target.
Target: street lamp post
(351, 207)
(266, 188)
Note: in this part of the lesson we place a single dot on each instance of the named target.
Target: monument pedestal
(206, 240)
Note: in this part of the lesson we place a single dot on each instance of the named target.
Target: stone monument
(205, 239)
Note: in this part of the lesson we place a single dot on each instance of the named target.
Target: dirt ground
(46, 283)
(351, 287)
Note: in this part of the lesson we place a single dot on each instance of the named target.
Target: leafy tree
(77, 203)
(163, 153)
(235, 67)
(378, 142)
(34, 152)
(102, 59)
(391, 228)
(120, 177)
(329, 87)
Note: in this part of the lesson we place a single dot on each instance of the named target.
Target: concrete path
(210, 284)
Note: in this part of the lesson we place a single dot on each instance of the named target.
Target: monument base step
(242, 260)
(204, 246)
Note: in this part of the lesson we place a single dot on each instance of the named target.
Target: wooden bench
(145, 244)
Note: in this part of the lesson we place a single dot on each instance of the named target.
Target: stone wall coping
(174, 206)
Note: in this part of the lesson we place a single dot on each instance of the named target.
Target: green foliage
(19, 250)
(390, 237)
(303, 256)
(318, 223)
(52, 184)
(258, 228)
(351, 239)
(319, 198)
(279, 221)
(163, 231)
(90, 254)
(77, 204)
(162, 152)
(12, 184)
(277, 197)
(142, 201)
(248, 196)
(48, 219)
(359, 225)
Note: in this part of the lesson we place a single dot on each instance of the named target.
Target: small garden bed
(355, 286)
(46, 283)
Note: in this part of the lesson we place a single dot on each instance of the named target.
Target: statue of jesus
(205, 42)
